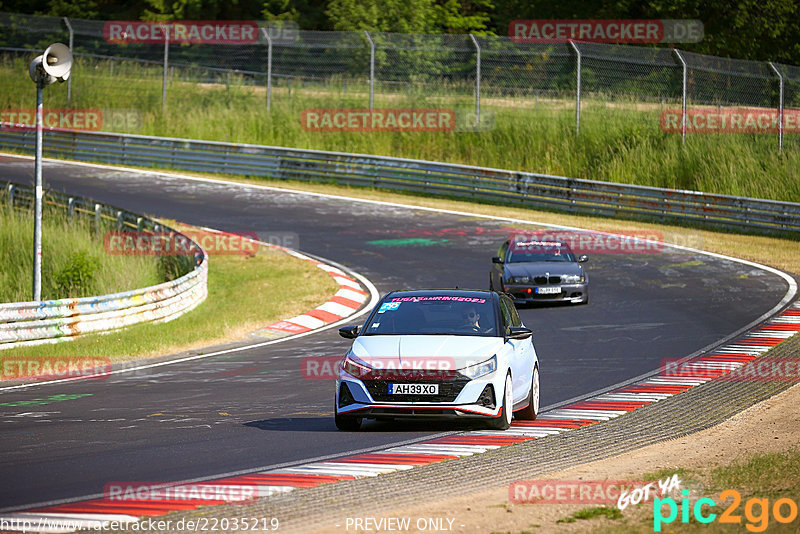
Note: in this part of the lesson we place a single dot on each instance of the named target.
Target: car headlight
(519, 280)
(480, 369)
(355, 368)
(572, 278)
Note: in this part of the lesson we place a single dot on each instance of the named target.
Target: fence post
(577, 87)
(780, 106)
(69, 81)
(166, 68)
(477, 80)
(265, 31)
(98, 217)
(371, 68)
(11, 196)
(683, 94)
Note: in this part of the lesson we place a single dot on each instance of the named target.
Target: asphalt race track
(253, 409)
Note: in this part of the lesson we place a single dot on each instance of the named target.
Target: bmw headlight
(519, 280)
(480, 369)
(354, 367)
(572, 278)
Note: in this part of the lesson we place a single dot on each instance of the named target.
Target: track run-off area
(254, 410)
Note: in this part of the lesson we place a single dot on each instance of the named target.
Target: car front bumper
(360, 400)
(527, 294)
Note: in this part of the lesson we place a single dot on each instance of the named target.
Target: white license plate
(413, 389)
(548, 290)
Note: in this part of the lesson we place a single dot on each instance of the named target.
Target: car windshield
(526, 251)
(433, 315)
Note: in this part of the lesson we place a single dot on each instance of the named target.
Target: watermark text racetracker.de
(50, 523)
(765, 368)
(609, 492)
(586, 242)
(68, 119)
(395, 120)
(184, 31)
(378, 120)
(607, 31)
(378, 368)
(621, 493)
(45, 368)
(176, 244)
(209, 492)
(730, 120)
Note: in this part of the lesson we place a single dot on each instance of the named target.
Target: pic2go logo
(756, 511)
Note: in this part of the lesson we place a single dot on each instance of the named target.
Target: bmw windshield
(433, 315)
(528, 251)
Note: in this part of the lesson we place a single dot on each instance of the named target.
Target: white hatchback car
(437, 354)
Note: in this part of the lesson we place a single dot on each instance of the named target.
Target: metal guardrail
(31, 323)
(431, 178)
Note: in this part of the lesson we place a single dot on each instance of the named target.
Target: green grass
(764, 475)
(244, 294)
(619, 141)
(74, 262)
(761, 476)
(592, 513)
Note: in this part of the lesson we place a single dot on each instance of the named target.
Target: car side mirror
(349, 332)
(519, 332)
(583, 258)
(497, 259)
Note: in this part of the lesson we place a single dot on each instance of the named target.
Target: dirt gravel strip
(326, 507)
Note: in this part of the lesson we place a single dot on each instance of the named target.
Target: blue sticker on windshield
(388, 306)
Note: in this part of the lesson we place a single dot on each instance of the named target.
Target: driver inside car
(471, 318)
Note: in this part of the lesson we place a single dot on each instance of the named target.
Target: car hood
(444, 352)
(539, 268)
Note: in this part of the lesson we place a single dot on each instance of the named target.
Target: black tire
(531, 411)
(347, 423)
(503, 421)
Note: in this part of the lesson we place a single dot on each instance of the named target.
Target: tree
(308, 14)
(470, 16)
(403, 16)
(410, 16)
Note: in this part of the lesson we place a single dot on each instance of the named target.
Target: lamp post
(54, 65)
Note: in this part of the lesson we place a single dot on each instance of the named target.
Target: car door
(496, 274)
(521, 357)
(527, 344)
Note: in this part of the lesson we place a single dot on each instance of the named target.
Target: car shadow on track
(295, 424)
(326, 424)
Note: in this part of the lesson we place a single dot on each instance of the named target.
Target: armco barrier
(527, 189)
(30, 323)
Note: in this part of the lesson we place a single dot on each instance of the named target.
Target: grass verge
(245, 293)
(74, 262)
(592, 513)
(619, 141)
(760, 480)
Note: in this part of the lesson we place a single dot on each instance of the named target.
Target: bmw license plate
(413, 389)
(548, 290)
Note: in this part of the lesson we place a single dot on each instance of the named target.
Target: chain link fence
(361, 69)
